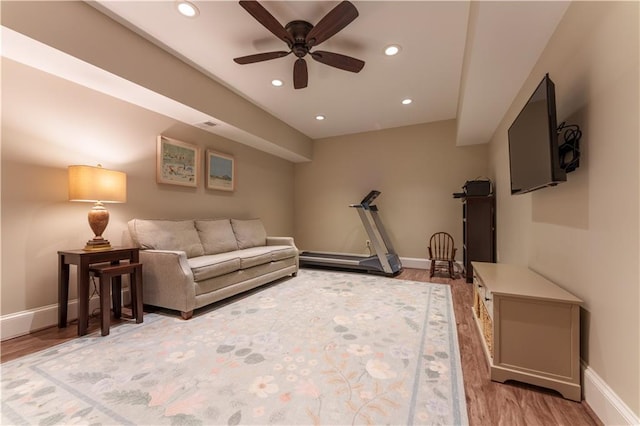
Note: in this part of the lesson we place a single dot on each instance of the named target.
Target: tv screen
(534, 161)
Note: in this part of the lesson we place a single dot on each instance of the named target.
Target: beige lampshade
(87, 183)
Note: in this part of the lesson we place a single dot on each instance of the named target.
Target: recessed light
(406, 101)
(320, 117)
(276, 82)
(391, 50)
(187, 9)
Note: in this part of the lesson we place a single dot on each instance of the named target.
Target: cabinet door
(479, 232)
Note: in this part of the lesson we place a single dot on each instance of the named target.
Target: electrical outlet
(368, 244)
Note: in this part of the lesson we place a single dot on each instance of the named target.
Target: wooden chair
(442, 249)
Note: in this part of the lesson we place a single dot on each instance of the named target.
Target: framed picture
(221, 172)
(177, 162)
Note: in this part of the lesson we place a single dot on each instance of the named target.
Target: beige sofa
(188, 264)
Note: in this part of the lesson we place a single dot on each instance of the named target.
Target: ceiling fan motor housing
(299, 31)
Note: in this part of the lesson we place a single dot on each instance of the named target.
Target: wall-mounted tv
(534, 157)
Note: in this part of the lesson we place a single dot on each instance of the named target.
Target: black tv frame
(556, 173)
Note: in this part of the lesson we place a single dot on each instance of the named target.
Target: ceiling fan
(301, 37)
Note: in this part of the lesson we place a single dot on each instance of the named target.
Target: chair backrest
(441, 246)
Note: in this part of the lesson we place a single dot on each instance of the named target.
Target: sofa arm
(167, 279)
(280, 241)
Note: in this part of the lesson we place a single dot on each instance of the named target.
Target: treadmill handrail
(362, 206)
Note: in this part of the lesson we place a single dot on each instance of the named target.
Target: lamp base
(97, 244)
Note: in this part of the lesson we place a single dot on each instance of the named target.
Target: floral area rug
(324, 347)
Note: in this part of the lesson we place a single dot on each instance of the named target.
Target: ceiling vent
(209, 126)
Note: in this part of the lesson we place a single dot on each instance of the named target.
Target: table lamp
(95, 184)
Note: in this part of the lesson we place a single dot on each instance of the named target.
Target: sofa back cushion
(216, 236)
(166, 235)
(249, 233)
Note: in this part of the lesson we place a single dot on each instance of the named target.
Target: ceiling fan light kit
(301, 36)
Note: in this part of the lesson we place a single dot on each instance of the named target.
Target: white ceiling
(459, 59)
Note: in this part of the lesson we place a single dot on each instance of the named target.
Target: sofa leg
(295, 274)
(186, 315)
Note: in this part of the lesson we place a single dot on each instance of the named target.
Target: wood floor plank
(488, 403)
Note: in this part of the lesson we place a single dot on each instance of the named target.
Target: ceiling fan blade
(334, 21)
(261, 15)
(300, 75)
(337, 60)
(259, 57)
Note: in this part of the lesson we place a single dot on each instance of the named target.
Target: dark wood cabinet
(478, 231)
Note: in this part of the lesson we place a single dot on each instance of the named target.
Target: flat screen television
(534, 157)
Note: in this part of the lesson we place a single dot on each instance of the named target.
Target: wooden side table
(83, 259)
(110, 285)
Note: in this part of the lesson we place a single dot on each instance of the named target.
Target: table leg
(116, 292)
(137, 286)
(105, 312)
(63, 291)
(116, 296)
(83, 298)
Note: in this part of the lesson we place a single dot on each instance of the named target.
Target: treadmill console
(366, 201)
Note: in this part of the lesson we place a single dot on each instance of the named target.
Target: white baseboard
(420, 263)
(25, 322)
(415, 262)
(604, 402)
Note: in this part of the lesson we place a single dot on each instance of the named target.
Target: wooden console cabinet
(530, 328)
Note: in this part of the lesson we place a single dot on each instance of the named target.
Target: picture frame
(178, 163)
(220, 171)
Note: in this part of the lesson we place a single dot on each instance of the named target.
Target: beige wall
(416, 168)
(583, 234)
(49, 123)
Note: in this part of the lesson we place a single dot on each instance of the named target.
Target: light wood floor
(488, 403)
(492, 403)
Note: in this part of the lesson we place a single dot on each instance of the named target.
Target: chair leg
(451, 269)
(432, 269)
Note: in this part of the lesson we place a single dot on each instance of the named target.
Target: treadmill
(384, 259)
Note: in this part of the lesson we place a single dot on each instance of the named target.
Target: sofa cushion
(254, 256)
(249, 233)
(166, 235)
(213, 265)
(282, 252)
(216, 236)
